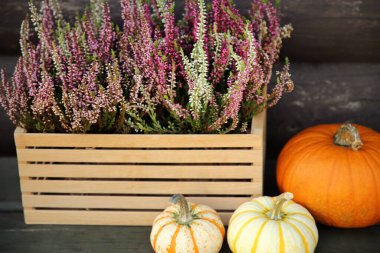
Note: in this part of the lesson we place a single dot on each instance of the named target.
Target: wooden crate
(98, 179)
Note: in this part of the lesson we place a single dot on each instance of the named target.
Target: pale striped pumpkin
(186, 227)
(272, 224)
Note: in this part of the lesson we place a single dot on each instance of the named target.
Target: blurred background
(334, 54)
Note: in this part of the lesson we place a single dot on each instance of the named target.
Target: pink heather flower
(221, 61)
(171, 33)
(192, 16)
(178, 110)
(31, 70)
(21, 94)
(3, 84)
(13, 95)
(203, 74)
(89, 29)
(47, 23)
(227, 17)
(130, 15)
(284, 85)
(44, 100)
(114, 89)
(148, 16)
(107, 36)
(234, 99)
(266, 24)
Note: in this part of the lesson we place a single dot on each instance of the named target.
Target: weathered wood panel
(10, 193)
(325, 93)
(16, 237)
(333, 30)
(326, 30)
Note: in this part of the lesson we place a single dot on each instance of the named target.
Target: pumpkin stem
(184, 216)
(279, 203)
(348, 136)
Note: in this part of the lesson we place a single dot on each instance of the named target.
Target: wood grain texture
(125, 202)
(141, 187)
(333, 30)
(139, 156)
(113, 218)
(140, 171)
(9, 185)
(325, 93)
(143, 141)
(16, 237)
(326, 30)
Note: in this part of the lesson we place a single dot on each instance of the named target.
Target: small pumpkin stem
(184, 216)
(348, 136)
(279, 203)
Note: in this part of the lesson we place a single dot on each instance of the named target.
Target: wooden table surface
(16, 237)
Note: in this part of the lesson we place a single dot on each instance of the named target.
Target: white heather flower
(197, 69)
(161, 4)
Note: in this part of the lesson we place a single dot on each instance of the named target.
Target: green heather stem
(348, 136)
(280, 201)
(184, 215)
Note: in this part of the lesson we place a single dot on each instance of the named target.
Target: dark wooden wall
(335, 55)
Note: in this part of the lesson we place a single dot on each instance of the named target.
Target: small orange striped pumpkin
(272, 225)
(187, 227)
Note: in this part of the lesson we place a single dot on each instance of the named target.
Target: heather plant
(206, 73)
(67, 78)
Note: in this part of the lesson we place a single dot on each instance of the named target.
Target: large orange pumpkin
(334, 171)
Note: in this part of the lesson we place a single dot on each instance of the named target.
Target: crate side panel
(140, 187)
(125, 202)
(139, 156)
(138, 141)
(115, 218)
(140, 171)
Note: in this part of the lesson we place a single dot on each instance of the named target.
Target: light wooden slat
(258, 125)
(139, 156)
(137, 141)
(138, 187)
(124, 202)
(115, 218)
(139, 171)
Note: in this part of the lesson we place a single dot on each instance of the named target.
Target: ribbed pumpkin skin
(203, 235)
(339, 186)
(251, 229)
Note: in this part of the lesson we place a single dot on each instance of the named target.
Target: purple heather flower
(227, 17)
(204, 74)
